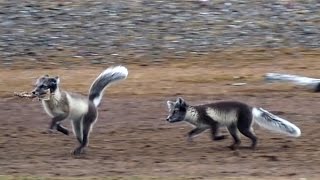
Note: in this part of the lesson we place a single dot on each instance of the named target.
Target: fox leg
(77, 128)
(194, 132)
(85, 138)
(233, 130)
(86, 124)
(215, 132)
(55, 124)
(248, 133)
(247, 130)
(62, 129)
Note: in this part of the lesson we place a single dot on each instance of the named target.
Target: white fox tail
(274, 123)
(106, 78)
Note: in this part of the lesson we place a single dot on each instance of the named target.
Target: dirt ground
(132, 137)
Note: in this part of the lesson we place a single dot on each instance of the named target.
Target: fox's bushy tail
(105, 79)
(275, 123)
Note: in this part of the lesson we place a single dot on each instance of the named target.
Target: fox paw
(78, 151)
(233, 147)
(47, 131)
(218, 138)
(189, 140)
(253, 148)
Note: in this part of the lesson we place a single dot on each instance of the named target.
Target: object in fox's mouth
(311, 83)
(24, 95)
(28, 95)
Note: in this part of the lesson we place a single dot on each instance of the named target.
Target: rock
(238, 84)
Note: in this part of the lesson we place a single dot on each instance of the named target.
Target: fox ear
(170, 105)
(57, 79)
(181, 101)
(41, 78)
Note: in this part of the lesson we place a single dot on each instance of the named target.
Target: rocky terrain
(98, 31)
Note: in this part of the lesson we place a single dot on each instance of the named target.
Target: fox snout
(169, 119)
(39, 92)
(172, 120)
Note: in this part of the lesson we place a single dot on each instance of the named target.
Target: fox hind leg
(233, 130)
(86, 126)
(247, 130)
(248, 133)
(77, 128)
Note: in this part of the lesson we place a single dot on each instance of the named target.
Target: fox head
(45, 85)
(177, 110)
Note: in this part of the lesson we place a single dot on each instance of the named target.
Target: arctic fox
(236, 116)
(81, 110)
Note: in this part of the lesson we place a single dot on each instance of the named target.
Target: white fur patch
(277, 124)
(192, 115)
(54, 99)
(116, 69)
(224, 118)
(57, 94)
(78, 106)
(46, 108)
(97, 100)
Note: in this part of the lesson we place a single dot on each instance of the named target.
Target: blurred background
(153, 31)
(201, 50)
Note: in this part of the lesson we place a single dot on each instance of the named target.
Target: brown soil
(132, 137)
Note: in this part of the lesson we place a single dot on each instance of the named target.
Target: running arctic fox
(81, 110)
(236, 116)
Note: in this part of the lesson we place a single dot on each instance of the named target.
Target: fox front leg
(55, 124)
(215, 132)
(62, 129)
(194, 132)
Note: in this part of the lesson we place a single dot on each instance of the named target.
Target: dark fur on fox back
(242, 110)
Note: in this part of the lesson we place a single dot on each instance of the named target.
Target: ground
(132, 140)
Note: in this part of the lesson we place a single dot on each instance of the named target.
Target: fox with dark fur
(81, 110)
(236, 116)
